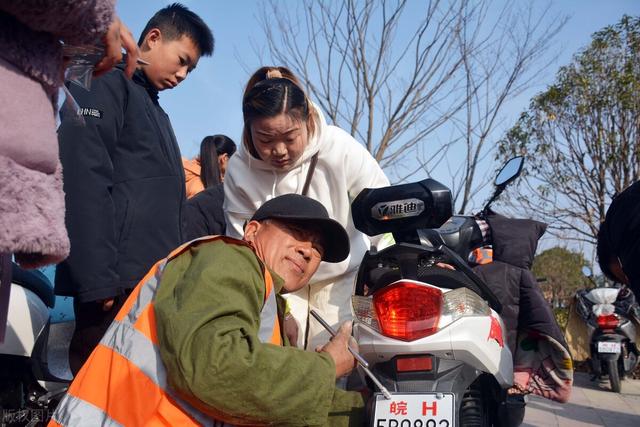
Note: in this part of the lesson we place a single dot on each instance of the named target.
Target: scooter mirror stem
(498, 191)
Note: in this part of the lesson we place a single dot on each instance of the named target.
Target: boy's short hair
(175, 21)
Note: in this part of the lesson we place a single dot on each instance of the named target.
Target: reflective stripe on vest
(125, 379)
(79, 412)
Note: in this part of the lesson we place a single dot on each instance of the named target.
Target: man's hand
(291, 329)
(339, 351)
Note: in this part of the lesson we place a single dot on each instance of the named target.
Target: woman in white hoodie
(287, 147)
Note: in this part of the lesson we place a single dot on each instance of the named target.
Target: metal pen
(363, 363)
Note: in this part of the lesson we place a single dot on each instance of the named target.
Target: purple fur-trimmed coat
(31, 71)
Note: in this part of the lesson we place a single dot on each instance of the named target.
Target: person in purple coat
(32, 66)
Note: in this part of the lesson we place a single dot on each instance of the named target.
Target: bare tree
(417, 83)
(497, 68)
(582, 135)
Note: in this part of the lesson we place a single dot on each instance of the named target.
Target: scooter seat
(34, 281)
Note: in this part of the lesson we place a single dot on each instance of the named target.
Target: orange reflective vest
(124, 381)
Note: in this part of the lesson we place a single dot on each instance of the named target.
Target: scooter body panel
(628, 329)
(27, 318)
(465, 340)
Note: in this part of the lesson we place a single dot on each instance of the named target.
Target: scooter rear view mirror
(509, 171)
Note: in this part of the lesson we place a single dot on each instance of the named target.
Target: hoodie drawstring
(275, 183)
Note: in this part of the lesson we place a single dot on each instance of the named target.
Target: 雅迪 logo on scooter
(397, 209)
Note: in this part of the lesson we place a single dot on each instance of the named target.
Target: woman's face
(223, 159)
(279, 140)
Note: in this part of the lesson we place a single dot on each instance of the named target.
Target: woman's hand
(117, 37)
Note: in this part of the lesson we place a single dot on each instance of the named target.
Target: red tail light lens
(408, 311)
(414, 364)
(608, 321)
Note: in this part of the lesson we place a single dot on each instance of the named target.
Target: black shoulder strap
(312, 167)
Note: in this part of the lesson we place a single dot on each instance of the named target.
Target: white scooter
(611, 334)
(431, 335)
(28, 389)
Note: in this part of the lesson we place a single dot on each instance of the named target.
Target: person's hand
(445, 266)
(339, 351)
(117, 37)
(290, 328)
(107, 304)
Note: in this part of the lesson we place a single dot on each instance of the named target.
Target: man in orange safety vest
(198, 342)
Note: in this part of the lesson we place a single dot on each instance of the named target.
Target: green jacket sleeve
(208, 316)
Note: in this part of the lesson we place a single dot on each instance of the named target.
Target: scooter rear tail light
(608, 321)
(408, 311)
(462, 302)
(364, 312)
(414, 364)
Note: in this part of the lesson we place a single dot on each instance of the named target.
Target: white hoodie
(344, 168)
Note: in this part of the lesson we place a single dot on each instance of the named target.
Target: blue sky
(209, 101)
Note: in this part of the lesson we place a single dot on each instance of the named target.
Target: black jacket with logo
(124, 186)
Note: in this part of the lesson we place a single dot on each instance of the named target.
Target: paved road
(591, 404)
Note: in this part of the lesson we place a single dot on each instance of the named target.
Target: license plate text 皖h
(415, 410)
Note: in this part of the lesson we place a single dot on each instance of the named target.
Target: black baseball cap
(306, 211)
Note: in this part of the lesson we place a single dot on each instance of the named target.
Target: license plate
(608, 347)
(414, 410)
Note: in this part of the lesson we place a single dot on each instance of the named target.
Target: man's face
(286, 248)
(170, 61)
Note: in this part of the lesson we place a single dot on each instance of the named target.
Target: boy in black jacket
(123, 176)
